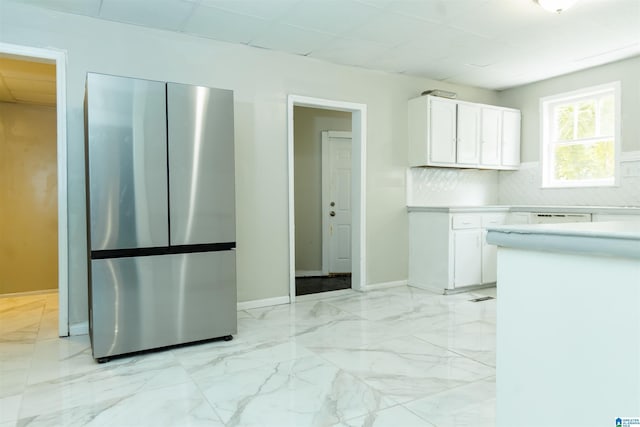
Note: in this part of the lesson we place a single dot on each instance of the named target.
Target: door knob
(332, 213)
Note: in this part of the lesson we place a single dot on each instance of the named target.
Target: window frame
(547, 105)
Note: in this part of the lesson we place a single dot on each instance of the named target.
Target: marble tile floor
(396, 357)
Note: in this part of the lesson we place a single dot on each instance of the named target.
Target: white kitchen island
(568, 323)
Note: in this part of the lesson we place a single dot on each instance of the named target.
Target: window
(581, 137)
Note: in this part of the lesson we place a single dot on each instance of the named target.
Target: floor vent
(481, 299)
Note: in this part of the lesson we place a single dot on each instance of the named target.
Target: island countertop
(568, 298)
(607, 238)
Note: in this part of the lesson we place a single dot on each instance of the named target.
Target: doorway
(322, 175)
(33, 112)
(310, 248)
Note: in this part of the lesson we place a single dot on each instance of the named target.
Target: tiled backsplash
(522, 187)
(451, 187)
(470, 187)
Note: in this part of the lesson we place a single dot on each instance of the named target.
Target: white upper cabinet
(490, 138)
(468, 134)
(442, 127)
(511, 138)
(449, 133)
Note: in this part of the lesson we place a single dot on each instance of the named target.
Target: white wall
(261, 80)
(307, 148)
(523, 186)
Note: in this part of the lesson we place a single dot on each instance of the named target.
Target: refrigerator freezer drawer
(140, 303)
(127, 156)
(201, 164)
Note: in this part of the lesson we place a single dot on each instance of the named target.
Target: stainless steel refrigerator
(161, 214)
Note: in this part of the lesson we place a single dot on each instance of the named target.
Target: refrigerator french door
(161, 214)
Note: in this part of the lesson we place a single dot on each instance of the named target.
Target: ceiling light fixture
(556, 6)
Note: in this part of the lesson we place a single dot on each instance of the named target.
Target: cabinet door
(442, 131)
(510, 138)
(468, 134)
(491, 119)
(490, 252)
(489, 260)
(467, 258)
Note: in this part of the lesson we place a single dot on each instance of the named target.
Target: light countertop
(608, 238)
(615, 210)
(460, 209)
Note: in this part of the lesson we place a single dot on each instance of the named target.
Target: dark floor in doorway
(314, 285)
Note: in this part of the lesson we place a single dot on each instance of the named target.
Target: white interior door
(336, 202)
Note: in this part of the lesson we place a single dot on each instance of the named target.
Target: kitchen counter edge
(608, 238)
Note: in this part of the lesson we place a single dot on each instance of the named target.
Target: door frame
(60, 59)
(358, 185)
(326, 135)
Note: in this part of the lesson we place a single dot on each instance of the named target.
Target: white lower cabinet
(490, 252)
(448, 251)
(489, 260)
(467, 257)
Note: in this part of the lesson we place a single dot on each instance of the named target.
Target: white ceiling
(495, 44)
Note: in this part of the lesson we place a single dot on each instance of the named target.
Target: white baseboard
(81, 328)
(384, 285)
(309, 273)
(267, 302)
